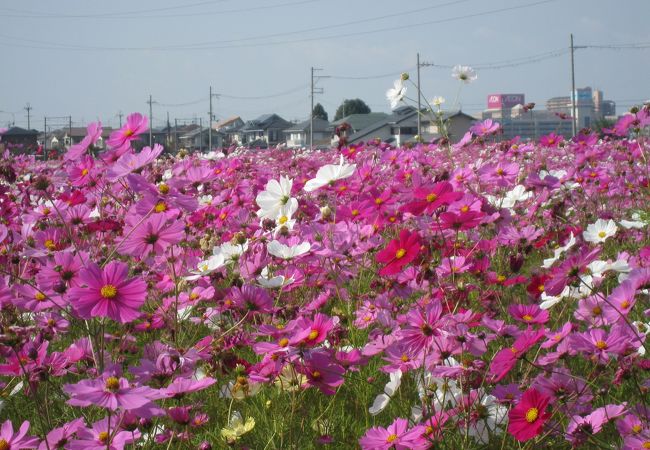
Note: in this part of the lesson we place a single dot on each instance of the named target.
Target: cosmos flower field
(484, 294)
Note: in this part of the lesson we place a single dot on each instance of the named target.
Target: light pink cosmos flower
(130, 162)
(153, 235)
(108, 293)
(102, 436)
(488, 126)
(111, 392)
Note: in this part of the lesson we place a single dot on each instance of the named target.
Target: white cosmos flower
(396, 93)
(207, 266)
(600, 231)
(276, 248)
(490, 423)
(272, 282)
(636, 222)
(330, 173)
(274, 197)
(205, 200)
(229, 251)
(437, 101)
(382, 400)
(464, 73)
(558, 252)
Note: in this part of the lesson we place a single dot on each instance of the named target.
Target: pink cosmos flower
(529, 314)
(82, 171)
(153, 235)
(311, 332)
(580, 428)
(130, 162)
(487, 127)
(108, 293)
(111, 392)
(529, 415)
(58, 437)
(94, 132)
(322, 372)
(430, 198)
(399, 252)
(135, 125)
(10, 440)
(181, 386)
(102, 436)
(507, 358)
(422, 325)
(396, 436)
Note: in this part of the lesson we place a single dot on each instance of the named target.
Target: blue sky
(92, 59)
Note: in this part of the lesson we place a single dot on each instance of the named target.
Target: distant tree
(599, 124)
(351, 106)
(319, 112)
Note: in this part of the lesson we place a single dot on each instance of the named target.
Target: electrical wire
(53, 46)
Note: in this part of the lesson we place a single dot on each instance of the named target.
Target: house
(20, 140)
(197, 139)
(266, 130)
(402, 126)
(229, 129)
(298, 135)
(66, 137)
(358, 122)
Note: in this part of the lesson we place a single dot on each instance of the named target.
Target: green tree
(319, 112)
(351, 106)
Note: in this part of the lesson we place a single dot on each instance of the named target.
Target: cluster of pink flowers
(507, 281)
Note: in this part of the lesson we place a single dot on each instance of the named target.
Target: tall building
(515, 120)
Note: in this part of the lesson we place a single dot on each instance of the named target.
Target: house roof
(226, 122)
(360, 121)
(266, 122)
(17, 131)
(399, 116)
(319, 125)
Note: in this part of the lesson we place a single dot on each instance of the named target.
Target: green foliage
(319, 112)
(351, 106)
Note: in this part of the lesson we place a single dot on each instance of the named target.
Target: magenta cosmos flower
(399, 252)
(135, 125)
(529, 416)
(108, 293)
(16, 441)
(109, 392)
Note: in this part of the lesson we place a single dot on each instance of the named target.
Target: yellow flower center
(646, 444)
(355, 212)
(160, 207)
(404, 358)
(108, 291)
(282, 220)
(283, 342)
(400, 253)
(391, 438)
(501, 279)
(625, 304)
(431, 197)
(223, 215)
(597, 311)
(4, 445)
(50, 245)
(128, 133)
(194, 296)
(163, 188)
(513, 350)
(602, 234)
(464, 209)
(315, 374)
(39, 296)
(378, 201)
(46, 211)
(112, 384)
(103, 437)
(636, 428)
(313, 335)
(500, 171)
(531, 415)
(540, 288)
(601, 345)
(527, 317)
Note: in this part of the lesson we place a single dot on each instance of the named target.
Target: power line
(142, 14)
(53, 46)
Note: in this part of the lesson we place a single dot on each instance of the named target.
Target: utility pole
(70, 130)
(574, 124)
(168, 133)
(314, 90)
(150, 121)
(419, 65)
(211, 119)
(201, 134)
(119, 114)
(44, 136)
(175, 135)
(28, 108)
